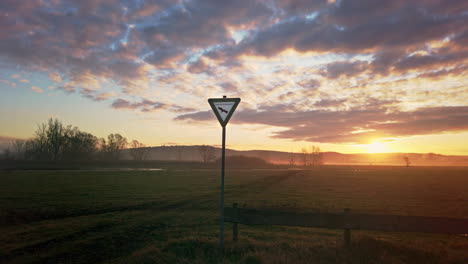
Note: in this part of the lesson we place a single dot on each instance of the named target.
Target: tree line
(308, 157)
(54, 141)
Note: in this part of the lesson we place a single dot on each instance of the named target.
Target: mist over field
(192, 153)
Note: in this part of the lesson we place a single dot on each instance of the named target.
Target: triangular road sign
(223, 108)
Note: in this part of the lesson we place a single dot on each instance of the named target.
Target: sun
(377, 147)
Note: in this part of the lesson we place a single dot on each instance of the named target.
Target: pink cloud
(55, 77)
(37, 89)
(328, 126)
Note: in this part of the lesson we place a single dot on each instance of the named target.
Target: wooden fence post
(235, 230)
(346, 221)
(347, 230)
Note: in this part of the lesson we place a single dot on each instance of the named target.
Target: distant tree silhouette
(312, 156)
(37, 146)
(304, 156)
(19, 148)
(7, 154)
(54, 141)
(207, 153)
(138, 150)
(407, 161)
(79, 145)
(114, 145)
(292, 161)
(55, 136)
(316, 156)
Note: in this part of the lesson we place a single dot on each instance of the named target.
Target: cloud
(459, 70)
(295, 7)
(68, 88)
(124, 104)
(55, 77)
(66, 39)
(421, 60)
(37, 89)
(344, 68)
(430, 60)
(311, 84)
(149, 106)
(352, 27)
(329, 103)
(97, 96)
(327, 126)
(165, 58)
(200, 23)
(200, 66)
(229, 87)
(104, 96)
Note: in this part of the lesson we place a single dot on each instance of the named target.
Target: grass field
(171, 216)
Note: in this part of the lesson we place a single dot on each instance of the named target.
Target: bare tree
(316, 156)
(55, 141)
(7, 154)
(38, 145)
(407, 161)
(304, 156)
(80, 145)
(102, 145)
(56, 136)
(48, 142)
(19, 148)
(207, 153)
(292, 161)
(312, 156)
(138, 150)
(113, 146)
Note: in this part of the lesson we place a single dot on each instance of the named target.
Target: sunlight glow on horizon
(377, 147)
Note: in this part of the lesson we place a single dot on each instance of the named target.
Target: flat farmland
(172, 216)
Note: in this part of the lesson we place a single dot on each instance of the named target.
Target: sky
(349, 76)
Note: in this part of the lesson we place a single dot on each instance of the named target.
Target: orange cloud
(37, 89)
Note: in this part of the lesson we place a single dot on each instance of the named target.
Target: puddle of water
(127, 169)
(102, 169)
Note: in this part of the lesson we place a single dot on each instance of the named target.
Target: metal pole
(235, 229)
(223, 153)
(347, 231)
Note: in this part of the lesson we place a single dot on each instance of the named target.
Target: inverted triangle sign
(223, 108)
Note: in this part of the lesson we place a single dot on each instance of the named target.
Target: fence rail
(346, 221)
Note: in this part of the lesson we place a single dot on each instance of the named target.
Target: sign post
(223, 109)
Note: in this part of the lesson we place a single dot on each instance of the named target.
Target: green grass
(172, 216)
